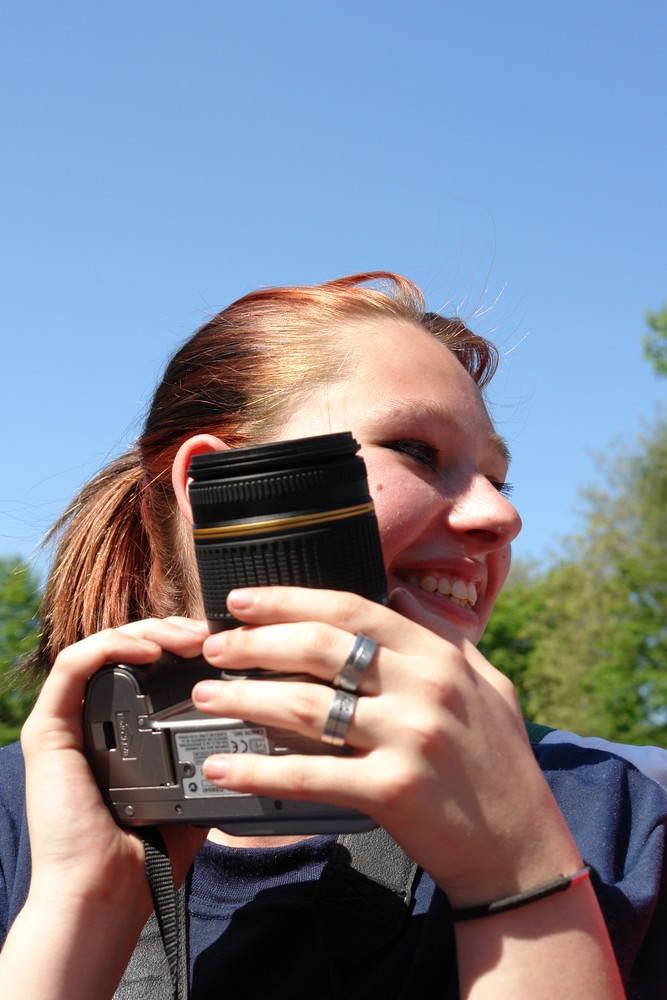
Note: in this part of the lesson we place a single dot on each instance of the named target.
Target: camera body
(146, 744)
(293, 512)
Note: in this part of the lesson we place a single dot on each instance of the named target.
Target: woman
(441, 758)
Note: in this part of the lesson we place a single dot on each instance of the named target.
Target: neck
(228, 840)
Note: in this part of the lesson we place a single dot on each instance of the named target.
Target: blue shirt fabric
(252, 924)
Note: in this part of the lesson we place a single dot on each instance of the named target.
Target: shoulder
(610, 793)
(650, 761)
(614, 799)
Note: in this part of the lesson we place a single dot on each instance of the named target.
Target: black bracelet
(559, 884)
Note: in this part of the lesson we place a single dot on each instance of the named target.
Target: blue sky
(162, 158)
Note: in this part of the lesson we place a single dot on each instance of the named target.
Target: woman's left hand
(440, 757)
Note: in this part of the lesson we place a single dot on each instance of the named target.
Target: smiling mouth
(463, 593)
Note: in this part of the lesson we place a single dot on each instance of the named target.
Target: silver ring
(338, 719)
(353, 669)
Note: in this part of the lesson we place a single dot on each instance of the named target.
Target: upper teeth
(457, 590)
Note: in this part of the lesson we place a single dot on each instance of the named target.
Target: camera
(287, 513)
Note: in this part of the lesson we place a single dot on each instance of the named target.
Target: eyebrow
(400, 408)
(500, 442)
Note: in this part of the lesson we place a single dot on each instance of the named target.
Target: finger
(183, 636)
(300, 707)
(139, 642)
(64, 687)
(306, 647)
(272, 605)
(333, 780)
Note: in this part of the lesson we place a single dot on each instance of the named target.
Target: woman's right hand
(89, 895)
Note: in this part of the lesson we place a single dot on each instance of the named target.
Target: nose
(486, 518)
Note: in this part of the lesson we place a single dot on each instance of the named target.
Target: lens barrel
(289, 513)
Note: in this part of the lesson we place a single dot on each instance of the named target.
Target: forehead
(398, 374)
(396, 360)
(391, 345)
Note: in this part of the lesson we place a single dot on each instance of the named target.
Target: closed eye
(507, 489)
(421, 452)
(427, 456)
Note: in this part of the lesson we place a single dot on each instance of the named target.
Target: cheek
(400, 509)
(504, 561)
(498, 571)
(394, 529)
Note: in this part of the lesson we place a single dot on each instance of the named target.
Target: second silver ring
(356, 664)
(339, 718)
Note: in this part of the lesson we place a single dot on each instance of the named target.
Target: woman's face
(435, 465)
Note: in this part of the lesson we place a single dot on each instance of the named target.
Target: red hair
(121, 552)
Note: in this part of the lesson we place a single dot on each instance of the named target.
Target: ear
(198, 445)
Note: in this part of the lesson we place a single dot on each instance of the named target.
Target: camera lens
(289, 513)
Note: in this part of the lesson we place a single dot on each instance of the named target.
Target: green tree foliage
(654, 341)
(19, 602)
(585, 641)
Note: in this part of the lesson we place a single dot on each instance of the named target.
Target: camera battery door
(146, 745)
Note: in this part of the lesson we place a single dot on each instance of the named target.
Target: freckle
(379, 487)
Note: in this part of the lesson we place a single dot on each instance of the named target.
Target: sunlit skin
(436, 466)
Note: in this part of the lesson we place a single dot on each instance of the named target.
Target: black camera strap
(363, 895)
(170, 910)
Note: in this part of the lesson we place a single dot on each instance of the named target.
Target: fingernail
(241, 599)
(214, 645)
(215, 768)
(205, 691)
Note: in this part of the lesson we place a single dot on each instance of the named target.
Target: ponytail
(101, 570)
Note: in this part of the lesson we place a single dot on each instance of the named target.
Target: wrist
(76, 890)
(514, 902)
(525, 848)
(84, 946)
